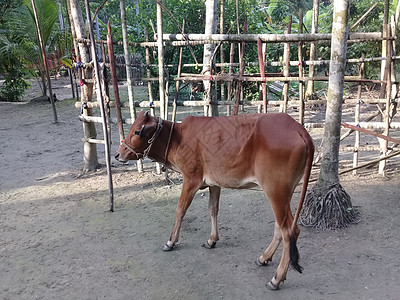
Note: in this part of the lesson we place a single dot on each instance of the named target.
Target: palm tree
(18, 36)
(328, 206)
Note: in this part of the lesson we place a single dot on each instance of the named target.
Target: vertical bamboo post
(103, 56)
(311, 68)
(100, 99)
(222, 54)
(384, 143)
(160, 47)
(239, 84)
(128, 65)
(71, 80)
(148, 72)
(114, 82)
(393, 26)
(286, 59)
(45, 62)
(357, 116)
(174, 106)
(230, 72)
(384, 34)
(150, 92)
(262, 74)
(301, 69)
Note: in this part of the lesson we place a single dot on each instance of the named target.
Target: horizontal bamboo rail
(269, 38)
(366, 125)
(227, 78)
(200, 39)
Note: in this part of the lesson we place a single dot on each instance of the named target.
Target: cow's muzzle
(117, 156)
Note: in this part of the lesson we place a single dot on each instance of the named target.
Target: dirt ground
(59, 241)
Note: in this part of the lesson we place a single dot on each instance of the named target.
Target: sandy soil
(59, 241)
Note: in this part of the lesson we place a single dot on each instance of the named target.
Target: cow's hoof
(263, 264)
(167, 248)
(272, 287)
(208, 246)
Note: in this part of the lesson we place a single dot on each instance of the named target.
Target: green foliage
(14, 85)
(19, 42)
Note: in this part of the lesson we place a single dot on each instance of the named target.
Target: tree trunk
(89, 131)
(328, 206)
(211, 28)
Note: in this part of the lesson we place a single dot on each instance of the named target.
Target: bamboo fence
(233, 81)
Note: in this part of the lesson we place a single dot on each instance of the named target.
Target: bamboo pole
(127, 61)
(45, 62)
(286, 59)
(160, 47)
(363, 16)
(262, 73)
(388, 69)
(222, 54)
(357, 118)
(384, 35)
(230, 73)
(270, 38)
(102, 108)
(383, 158)
(115, 83)
(311, 69)
(178, 82)
(301, 69)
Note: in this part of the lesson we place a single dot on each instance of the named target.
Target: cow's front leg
(213, 207)
(187, 194)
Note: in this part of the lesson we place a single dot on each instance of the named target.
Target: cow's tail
(294, 252)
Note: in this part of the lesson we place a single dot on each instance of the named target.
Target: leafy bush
(14, 85)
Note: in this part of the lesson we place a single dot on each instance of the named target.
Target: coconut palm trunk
(327, 205)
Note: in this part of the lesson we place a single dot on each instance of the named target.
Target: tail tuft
(294, 255)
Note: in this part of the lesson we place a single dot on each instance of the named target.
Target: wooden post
(301, 69)
(385, 35)
(115, 82)
(71, 80)
(286, 59)
(230, 72)
(262, 74)
(161, 78)
(384, 143)
(45, 62)
(151, 98)
(100, 99)
(239, 84)
(174, 106)
(90, 158)
(222, 54)
(357, 117)
(128, 64)
(311, 68)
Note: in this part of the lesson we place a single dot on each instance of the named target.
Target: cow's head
(137, 143)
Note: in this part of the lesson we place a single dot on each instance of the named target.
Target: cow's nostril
(116, 156)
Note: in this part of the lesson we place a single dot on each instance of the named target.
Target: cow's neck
(165, 142)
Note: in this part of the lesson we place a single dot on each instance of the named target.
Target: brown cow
(272, 151)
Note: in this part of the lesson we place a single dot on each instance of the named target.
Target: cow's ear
(144, 131)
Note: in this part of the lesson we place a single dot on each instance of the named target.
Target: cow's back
(228, 151)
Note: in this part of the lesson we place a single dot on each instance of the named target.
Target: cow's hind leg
(187, 194)
(281, 272)
(213, 207)
(276, 240)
